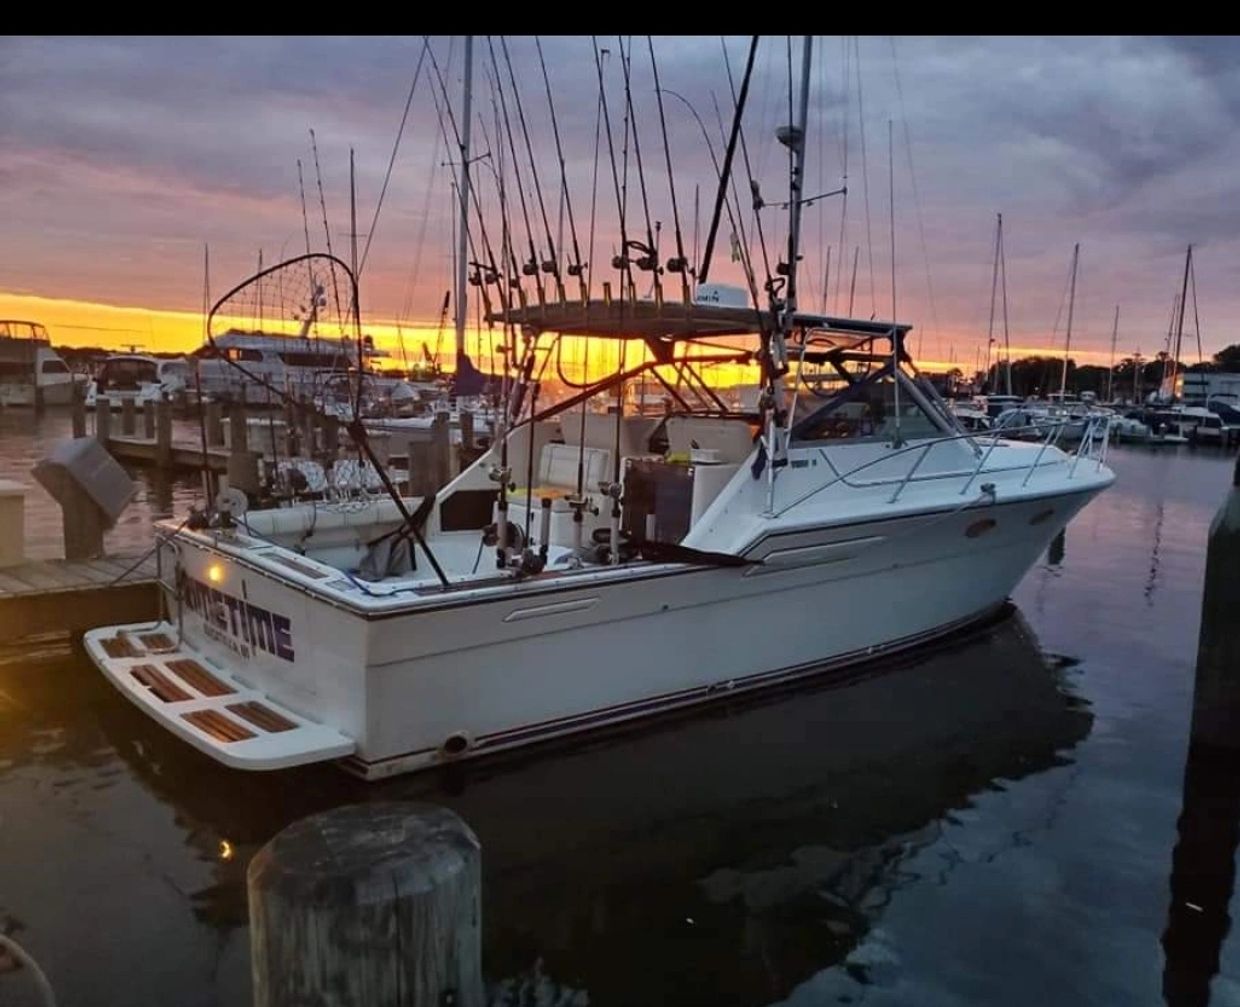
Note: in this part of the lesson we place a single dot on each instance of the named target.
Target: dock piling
(1216, 697)
(79, 409)
(163, 433)
(103, 419)
(129, 419)
(148, 420)
(242, 462)
(213, 418)
(441, 443)
(368, 904)
(1203, 862)
(420, 467)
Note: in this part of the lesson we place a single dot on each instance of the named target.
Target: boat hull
(444, 681)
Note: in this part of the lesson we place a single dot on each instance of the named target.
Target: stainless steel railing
(1092, 447)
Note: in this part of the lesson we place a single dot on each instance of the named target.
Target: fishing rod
(575, 268)
(530, 267)
(679, 264)
(550, 265)
(621, 261)
(648, 261)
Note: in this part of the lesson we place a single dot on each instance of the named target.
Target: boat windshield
(865, 412)
(127, 372)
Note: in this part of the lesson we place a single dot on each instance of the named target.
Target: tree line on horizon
(1040, 375)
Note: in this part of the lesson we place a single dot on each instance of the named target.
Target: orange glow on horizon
(76, 323)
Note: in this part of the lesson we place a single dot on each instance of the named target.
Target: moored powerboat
(578, 574)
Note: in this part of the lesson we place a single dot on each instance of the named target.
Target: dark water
(991, 823)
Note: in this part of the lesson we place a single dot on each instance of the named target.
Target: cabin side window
(54, 367)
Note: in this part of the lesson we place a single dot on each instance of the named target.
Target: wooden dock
(182, 454)
(73, 596)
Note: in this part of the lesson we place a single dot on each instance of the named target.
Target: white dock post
(368, 904)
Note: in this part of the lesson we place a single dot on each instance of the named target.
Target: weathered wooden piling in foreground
(1203, 863)
(368, 904)
(1216, 696)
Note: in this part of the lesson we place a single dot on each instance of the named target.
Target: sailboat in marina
(596, 565)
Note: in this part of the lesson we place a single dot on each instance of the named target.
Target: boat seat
(555, 479)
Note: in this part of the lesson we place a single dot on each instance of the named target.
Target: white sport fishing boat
(591, 568)
(629, 582)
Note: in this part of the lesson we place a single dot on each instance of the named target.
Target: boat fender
(455, 744)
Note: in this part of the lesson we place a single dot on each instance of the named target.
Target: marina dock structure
(71, 596)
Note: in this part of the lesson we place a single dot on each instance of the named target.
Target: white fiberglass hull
(434, 683)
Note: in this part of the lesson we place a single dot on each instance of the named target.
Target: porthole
(979, 528)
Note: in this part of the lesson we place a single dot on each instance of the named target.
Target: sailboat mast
(1007, 336)
(1111, 370)
(1179, 325)
(462, 231)
(1067, 344)
(994, 293)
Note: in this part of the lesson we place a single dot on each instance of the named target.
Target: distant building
(1200, 386)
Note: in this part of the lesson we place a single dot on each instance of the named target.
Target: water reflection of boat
(722, 859)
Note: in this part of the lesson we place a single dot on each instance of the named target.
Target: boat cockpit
(601, 477)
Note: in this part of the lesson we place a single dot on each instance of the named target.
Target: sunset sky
(120, 159)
